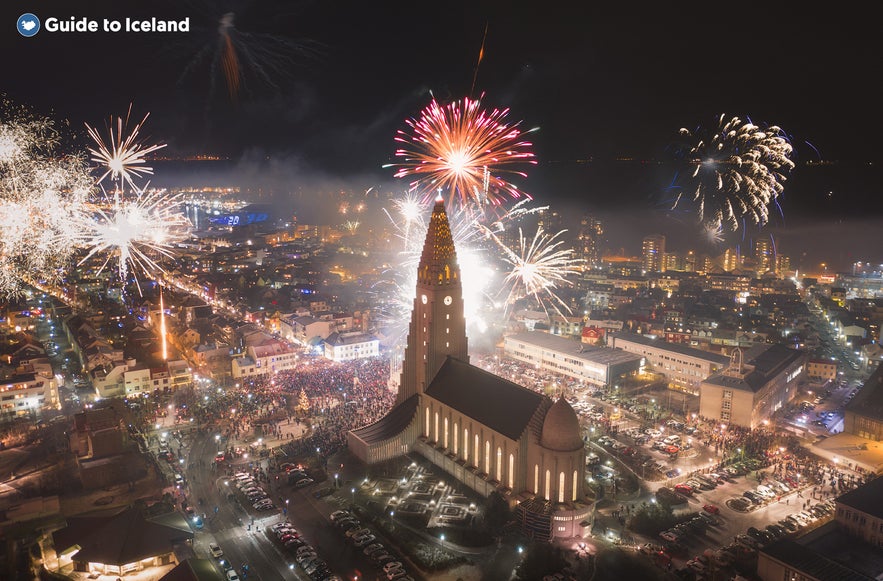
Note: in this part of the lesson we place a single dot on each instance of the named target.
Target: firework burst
(122, 155)
(738, 172)
(460, 148)
(409, 223)
(537, 268)
(40, 192)
(138, 232)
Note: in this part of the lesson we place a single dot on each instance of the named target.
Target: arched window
(487, 456)
(575, 480)
(511, 471)
(446, 433)
(548, 485)
(466, 444)
(456, 439)
(477, 456)
(561, 487)
(536, 478)
(499, 471)
(426, 423)
(435, 433)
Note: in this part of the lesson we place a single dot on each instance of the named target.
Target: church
(487, 432)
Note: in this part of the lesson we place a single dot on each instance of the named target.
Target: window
(548, 484)
(511, 471)
(456, 435)
(499, 474)
(536, 478)
(575, 480)
(435, 432)
(466, 444)
(475, 463)
(487, 457)
(446, 432)
(561, 487)
(426, 423)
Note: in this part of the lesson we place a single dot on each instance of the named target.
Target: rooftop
(868, 402)
(497, 403)
(865, 498)
(575, 349)
(678, 348)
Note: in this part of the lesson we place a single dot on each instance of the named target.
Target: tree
(497, 513)
(303, 402)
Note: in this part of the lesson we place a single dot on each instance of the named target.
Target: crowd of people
(333, 398)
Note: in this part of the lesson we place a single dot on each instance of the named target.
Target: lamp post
(443, 541)
(353, 492)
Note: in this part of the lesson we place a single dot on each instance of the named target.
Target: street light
(353, 492)
(443, 540)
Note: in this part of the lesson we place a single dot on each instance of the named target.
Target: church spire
(438, 263)
(438, 324)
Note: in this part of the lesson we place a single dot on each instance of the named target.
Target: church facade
(487, 432)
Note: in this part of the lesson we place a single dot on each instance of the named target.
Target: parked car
(711, 508)
(215, 550)
(684, 489)
(362, 541)
(338, 514)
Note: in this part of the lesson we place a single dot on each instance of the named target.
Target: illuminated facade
(491, 434)
(24, 394)
(594, 365)
(653, 253)
(684, 367)
(753, 387)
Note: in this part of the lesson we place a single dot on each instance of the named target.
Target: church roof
(499, 404)
(561, 431)
(389, 425)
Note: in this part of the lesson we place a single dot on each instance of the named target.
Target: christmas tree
(303, 402)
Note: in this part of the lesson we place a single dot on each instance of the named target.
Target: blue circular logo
(28, 25)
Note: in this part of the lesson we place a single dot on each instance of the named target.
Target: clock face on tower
(423, 299)
(448, 300)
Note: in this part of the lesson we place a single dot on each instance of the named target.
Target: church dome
(561, 431)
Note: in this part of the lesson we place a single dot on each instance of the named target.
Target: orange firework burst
(459, 148)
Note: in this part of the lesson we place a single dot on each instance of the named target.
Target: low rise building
(594, 365)
(753, 387)
(863, 416)
(23, 394)
(684, 367)
(349, 346)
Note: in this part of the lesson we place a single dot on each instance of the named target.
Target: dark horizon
(323, 87)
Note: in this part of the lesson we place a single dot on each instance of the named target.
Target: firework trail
(40, 192)
(122, 155)
(459, 148)
(240, 60)
(537, 267)
(738, 171)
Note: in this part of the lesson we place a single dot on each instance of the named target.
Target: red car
(684, 489)
(711, 508)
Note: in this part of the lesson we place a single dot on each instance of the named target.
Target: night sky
(331, 82)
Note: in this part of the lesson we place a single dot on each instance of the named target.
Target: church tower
(438, 322)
